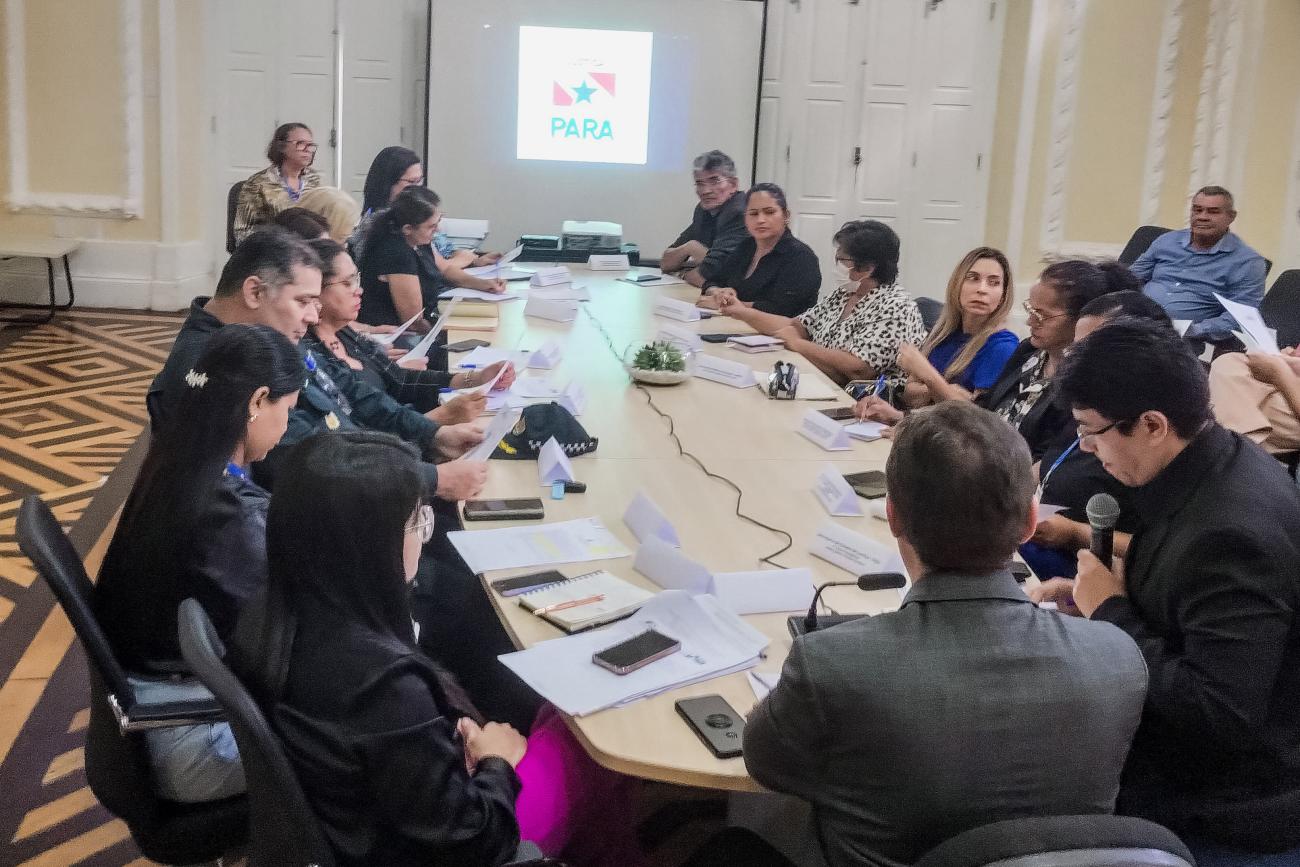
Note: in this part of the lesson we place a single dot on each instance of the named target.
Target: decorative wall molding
(141, 275)
(1028, 122)
(1206, 107)
(1225, 87)
(1065, 101)
(1162, 103)
(21, 197)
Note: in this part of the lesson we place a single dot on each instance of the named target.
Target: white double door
(883, 109)
(352, 70)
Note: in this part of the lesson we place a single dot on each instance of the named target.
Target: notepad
(619, 600)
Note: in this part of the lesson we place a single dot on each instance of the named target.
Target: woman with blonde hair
(966, 350)
(338, 208)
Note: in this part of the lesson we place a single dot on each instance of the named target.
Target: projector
(591, 235)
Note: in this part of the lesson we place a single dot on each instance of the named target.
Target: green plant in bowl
(660, 356)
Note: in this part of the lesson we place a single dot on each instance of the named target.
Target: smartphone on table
(466, 345)
(504, 510)
(716, 723)
(636, 652)
(838, 413)
(869, 485)
(523, 583)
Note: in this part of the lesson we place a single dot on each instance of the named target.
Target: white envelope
(854, 552)
(835, 494)
(721, 370)
(553, 464)
(679, 336)
(682, 311)
(558, 311)
(765, 591)
(670, 568)
(827, 433)
(597, 262)
(647, 521)
(546, 356)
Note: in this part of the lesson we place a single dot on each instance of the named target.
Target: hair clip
(194, 379)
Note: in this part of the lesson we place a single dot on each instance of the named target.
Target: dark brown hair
(276, 149)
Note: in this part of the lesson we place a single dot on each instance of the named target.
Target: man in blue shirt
(1184, 269)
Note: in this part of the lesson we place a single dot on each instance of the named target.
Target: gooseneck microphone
(871, 581)
(1103, 513)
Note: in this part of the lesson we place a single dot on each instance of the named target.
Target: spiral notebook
(619, 600)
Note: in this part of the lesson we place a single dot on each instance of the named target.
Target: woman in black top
(409, 382)
(195, 525)
(398, 273)
(771, 270)
(396, 763)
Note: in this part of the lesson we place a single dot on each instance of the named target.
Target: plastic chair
(1138, 244)
(1280, 308)
(232, 205)
(1062, 841)
(117, 764)
(930, 309)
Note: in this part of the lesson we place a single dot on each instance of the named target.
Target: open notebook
(620, 599)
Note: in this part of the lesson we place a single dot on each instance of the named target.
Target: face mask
(842, 273)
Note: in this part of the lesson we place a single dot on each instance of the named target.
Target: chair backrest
(232, 205)
(930, 309)
(1137, 245)
(284, 830)
(1062, 841)
(1280, 308)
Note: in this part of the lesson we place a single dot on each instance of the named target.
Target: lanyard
(235, 471)
(1065, 454)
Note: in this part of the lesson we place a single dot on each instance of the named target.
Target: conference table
(739, 434)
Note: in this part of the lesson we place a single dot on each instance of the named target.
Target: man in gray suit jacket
(969, 704)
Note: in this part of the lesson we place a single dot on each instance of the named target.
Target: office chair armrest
(168, 714)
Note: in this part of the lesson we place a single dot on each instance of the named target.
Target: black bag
(538, 424)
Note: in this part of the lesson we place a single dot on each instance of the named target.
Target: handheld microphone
(871, 581)
(1103, 513)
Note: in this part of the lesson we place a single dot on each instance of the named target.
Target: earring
(253, 417)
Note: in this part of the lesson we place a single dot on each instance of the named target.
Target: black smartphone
(716, 723)
(716, 338)
(636, 652)
(504, 510)
(1020, 571)
(869, 485)
(838, 413)
(523, 583)
(466, 345)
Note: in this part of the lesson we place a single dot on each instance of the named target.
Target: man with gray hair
(717, 226)
(969, 704)
(1184, 269)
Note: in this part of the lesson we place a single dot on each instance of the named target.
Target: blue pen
(468, 366)
(880, 384)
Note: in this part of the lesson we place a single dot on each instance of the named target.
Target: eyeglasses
(1036, 316)
(304, 145)
(1093, 434)
(847, 263)
(410, 182)
(423, 523)
(712, 182)
(353, 282)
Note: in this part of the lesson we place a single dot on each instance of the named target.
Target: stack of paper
(501, 270)
(575, 541)
(753, 343)
(480, 295)
(714, 641)
(1257, 336)
(759, 592)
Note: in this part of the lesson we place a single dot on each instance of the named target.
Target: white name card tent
(855, 553)
(679, 336)
(721, 370)
(597, 262)
(670, 568)
(671, 308)
(551, 276)
(835, 494)
(562, 292)
(553, 464)
(546, 356)
(556, 311)
(647, 521)
(760, 592)
(826, 432)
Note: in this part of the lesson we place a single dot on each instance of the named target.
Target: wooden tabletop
(737, 433)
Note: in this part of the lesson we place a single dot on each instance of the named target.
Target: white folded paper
(556, 311)
(597, 262)
(482, 356)
(421, 349)
(867, 431)
(1046, 511)
(559, 292)
(835, 494)
(679, 336)
(765, 591)
(553, 464)
(671, 308)
(573, 398)
(826, 432)
(480, 295)
(545, 356)
(576, 541)
(391, 337)
(647, 521)
(854, 552)
(500, 426)
(721, 370)
(1181, 326)
(551, 276)
(670, 568)
(659, 280)
(1257, 336)
(762, 682)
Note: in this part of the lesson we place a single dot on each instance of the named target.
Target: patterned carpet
(71, 417)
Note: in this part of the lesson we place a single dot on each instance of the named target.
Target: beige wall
(1096, 172)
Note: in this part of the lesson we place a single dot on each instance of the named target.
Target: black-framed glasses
(423, 523)
(1034, 315)
(352, 282)
(1093, 434)
(305, 145)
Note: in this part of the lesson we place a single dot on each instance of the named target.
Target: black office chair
(232, 205)
(1054, 841)
(930, 309)
(285, 832)
(117, 764)
(1280, 308)
(1141, 240)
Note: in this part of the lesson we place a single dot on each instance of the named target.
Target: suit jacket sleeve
(419, 784)
(795, 287)
(784, 731)
(1235, 608)
(731, 231)
(372, 408)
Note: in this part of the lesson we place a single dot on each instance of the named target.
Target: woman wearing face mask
(279, 185)
(771, 271)
(397, 766)
(854, 332)
(195, 526)
(965, 352)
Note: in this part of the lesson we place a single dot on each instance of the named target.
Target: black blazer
(720, 230)
(1214, 605)
(1047, 422)
(785, 282)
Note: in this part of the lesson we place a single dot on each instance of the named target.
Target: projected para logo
(584, 95)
